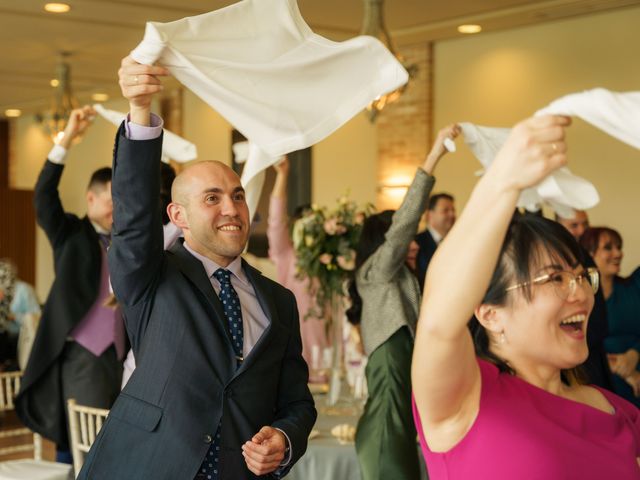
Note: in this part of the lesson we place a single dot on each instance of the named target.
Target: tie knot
(105, 239)
(222, 275)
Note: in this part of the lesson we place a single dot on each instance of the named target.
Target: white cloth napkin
(173, 146)
(617, 114)
(261, 67)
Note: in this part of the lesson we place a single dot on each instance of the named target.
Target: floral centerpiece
(325, 242)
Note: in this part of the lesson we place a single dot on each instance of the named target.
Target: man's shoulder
(425, 238)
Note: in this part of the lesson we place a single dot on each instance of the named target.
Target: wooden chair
(84, 424)
(23, 469)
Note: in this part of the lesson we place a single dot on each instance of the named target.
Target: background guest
(80, 342)
(385, 303)
(623, 310)
(282, 253)
(441, 215)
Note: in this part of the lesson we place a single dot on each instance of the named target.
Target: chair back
(9, 388)
(84, 425)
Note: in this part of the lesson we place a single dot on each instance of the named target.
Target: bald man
(576, 224)
(220, 389)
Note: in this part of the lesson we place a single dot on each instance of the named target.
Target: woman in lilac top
(281, 252)
(501, 400)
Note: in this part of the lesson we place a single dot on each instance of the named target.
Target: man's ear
(489, 318)
(178, 215)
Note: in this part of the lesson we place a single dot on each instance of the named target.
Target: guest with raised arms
(220, 387)
(385, 303)
(498, 397)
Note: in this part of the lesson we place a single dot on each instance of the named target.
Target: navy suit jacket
(186, 381)
(427, 248)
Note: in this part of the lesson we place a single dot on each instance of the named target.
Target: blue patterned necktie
(233, 313)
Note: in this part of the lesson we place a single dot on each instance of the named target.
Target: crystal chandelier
(373, 25)
(54, 121)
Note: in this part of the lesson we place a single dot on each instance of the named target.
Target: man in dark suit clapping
(220, 389)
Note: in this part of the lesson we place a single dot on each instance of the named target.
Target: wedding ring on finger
(135, 81)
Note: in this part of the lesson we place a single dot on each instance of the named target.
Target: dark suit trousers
(92, 381)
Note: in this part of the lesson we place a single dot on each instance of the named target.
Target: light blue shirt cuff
(57, 155)
(135, 131)
(287, 460)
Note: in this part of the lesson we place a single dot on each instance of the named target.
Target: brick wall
(404, 129)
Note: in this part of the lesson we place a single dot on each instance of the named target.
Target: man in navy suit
(441, 215)
(220, 389)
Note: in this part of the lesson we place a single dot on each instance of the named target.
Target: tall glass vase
(337, 363)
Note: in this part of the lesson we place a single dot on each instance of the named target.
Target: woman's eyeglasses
(565, 283)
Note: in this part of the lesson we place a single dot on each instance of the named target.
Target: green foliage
(325, 242)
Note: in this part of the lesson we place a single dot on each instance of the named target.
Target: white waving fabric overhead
(617, 114)
(260, 66)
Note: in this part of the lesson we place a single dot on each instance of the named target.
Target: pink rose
(325, 258)
(331, 225)
(346, 264)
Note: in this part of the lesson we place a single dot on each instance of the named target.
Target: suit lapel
(193, 269)
(268, 307)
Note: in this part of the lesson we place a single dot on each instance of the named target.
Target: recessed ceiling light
(12, 112)
(469, 28)
(100, 97)
(54, 82)
(57, 7)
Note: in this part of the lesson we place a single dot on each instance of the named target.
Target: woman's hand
(534, 149)
(439, 150)
(624, 364)
(634, 381)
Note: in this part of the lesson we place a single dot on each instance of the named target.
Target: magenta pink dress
(524, 433)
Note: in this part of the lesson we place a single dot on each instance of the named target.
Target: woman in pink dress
(281, 252)
(500, 399)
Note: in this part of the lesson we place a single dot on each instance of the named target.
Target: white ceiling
(100, 32)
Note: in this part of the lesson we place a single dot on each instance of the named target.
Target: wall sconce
(392, 191)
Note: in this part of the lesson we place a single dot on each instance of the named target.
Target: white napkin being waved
(260, 66)
(173, 146)
(617, 114)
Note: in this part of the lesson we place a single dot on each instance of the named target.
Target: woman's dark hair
(374, 229)
(528, 239)
(590, 239)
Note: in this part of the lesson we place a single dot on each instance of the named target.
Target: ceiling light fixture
(57, 7)
(469, 28)
(100, 97)
(54, 120)
(12, 112)
(54, 82)
(373, 25)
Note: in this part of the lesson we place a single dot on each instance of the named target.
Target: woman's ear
(489, 318)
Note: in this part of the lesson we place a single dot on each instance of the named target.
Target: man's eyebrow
(220, 190)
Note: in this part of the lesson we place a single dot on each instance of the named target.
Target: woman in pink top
(504, 401)
(283, 256)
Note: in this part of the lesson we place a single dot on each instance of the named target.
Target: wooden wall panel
(17, 218)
